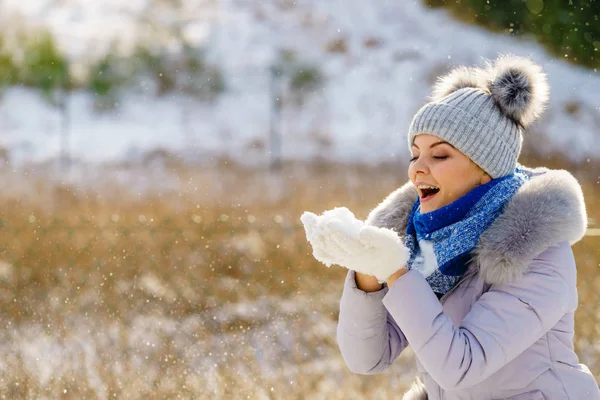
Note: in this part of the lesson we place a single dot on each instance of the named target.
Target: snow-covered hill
(385, 57)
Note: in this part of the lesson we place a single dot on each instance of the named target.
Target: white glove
(337, 237)
(325, 249)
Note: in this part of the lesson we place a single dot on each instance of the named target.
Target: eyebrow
(435, 144)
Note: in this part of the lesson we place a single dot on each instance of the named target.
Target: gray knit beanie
(482, 112)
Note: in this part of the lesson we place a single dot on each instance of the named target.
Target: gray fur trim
(416, 392)
(546, 210)
(519, 88)
(392, 213)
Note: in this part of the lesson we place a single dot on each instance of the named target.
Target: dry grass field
(198, 283)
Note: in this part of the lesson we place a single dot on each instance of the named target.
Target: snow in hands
(338, 237)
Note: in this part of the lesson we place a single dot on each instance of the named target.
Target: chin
(432, 204)
(427, 209)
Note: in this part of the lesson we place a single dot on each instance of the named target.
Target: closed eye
(435, 157)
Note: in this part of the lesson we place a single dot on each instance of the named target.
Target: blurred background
(156, 155)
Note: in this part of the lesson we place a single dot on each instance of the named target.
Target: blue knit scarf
(441, 241)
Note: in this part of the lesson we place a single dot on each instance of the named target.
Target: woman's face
(441, 173)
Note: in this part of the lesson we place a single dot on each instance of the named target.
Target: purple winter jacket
(505, 331)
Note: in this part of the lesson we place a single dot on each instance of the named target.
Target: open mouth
(427, 192)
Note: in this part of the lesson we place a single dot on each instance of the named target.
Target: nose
(420, 166)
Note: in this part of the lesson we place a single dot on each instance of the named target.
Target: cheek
(443, 174)
(451, 177)
(459, 182)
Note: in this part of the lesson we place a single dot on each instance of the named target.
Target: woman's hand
(390, 281)
(367, 283)
(373, 250)
(325, 248)
(339, 238)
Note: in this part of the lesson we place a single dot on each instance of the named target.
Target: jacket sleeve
(503, 323)
(367, 335)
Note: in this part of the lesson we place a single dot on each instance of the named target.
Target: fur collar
(546, 210)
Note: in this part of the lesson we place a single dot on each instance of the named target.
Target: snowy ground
(260, 349)
(360, 114)
(204, 293)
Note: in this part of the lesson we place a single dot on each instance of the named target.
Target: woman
(470, 262)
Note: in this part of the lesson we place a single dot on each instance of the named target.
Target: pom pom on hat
(458, 78)
(519, 87)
